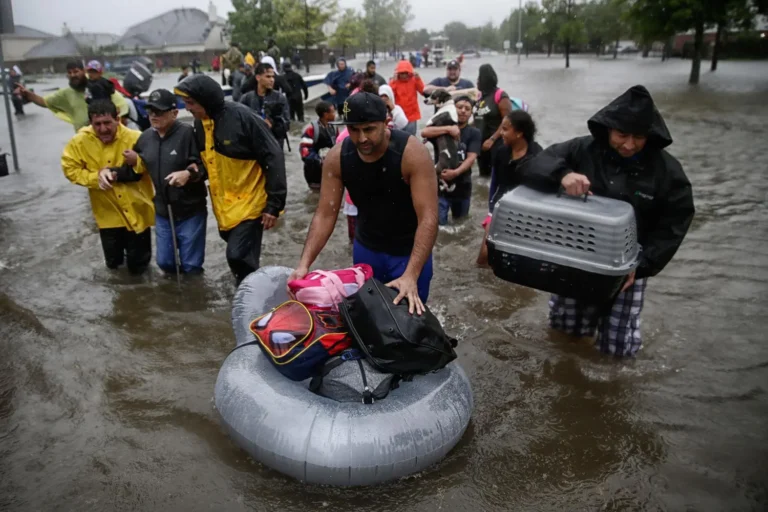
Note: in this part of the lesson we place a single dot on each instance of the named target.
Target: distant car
(122, 65)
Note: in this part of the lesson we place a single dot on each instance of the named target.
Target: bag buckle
(368, 396)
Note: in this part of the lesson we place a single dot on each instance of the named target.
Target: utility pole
(519, 31)
(7, 97)
(306, 35)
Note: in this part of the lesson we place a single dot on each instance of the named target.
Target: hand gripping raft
(317, 440)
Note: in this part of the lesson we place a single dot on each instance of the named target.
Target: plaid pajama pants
(618, 329)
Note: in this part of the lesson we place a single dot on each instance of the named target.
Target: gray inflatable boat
(283, 425)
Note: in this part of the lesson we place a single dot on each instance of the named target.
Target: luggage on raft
(577, 247)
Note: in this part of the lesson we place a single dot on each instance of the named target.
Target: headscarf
(387, 90)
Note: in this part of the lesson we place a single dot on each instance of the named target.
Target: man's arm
(418, 171)
(324, 220)
(32, 97)
(675, 215)
(272, 162)
(546, 170)
(75, 169)
(430, 132)
(420, 85)
(432, 87)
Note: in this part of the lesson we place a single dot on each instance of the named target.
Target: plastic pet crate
(573, 246)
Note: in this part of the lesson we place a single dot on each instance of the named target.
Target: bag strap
(497, 95)
(317, 380)
(333, 284)
(359, 276)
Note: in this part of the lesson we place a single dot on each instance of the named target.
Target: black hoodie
(239, 135)
(163, 155)
(653, 182)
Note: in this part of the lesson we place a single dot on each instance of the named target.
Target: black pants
(485, 158)
(18, 105)
(313, 172)
(243, 247)
(296, 106)
(121, 245)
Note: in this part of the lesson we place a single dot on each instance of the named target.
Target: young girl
(517, 132)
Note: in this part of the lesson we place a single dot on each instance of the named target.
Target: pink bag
(325, 289)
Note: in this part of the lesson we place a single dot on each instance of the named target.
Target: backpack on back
(392, 339)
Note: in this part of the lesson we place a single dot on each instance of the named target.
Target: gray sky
(117, 15)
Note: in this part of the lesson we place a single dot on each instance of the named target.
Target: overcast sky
(116, 15)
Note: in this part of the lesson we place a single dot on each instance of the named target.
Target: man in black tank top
(390, 178)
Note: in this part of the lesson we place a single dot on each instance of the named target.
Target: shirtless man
(390, 177)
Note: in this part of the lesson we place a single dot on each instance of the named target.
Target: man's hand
(131, 157)
(454, 131)
(178, 178)
(450, 88)
(629, 282)
(575, 184)
(106, 177)
(408, 288)
(332, 91)
(299, 273)
(268, 221)
(269, 122)
(488, 144)
(20, 91)
(449, 174)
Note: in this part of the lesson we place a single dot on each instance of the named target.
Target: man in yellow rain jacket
(123, 211)
(246, 169)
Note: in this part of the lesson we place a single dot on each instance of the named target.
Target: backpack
(517, 103)
(393, 340)
(322, 289)
(297, 340)
(349, 377)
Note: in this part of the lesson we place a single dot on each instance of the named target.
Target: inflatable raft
(283, 425)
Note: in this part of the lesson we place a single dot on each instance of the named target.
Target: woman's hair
(487, 80)
(369, 85)
(355, 80)
(522, 122)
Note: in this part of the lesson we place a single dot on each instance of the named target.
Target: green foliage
(350, 32)
(416, 39)
(292, 23)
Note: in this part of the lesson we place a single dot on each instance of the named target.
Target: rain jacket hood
(404, 67)
(633, 112)
(204, 90)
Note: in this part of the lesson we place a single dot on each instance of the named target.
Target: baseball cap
(363, 107)
(95, 65)
(453, 64)
(162, 99)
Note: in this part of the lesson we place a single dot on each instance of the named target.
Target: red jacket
(407, 91)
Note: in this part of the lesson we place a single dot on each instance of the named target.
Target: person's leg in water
(459, 207)
(244, 247)
(164, 256)
(618, 331)
(190, 234)
(112, 245)
(138, 250)
(443, 207)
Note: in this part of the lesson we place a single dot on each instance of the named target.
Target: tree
(398, 19)
(531, 26)
(376, 19)
(553, 19)
(349, 32)
(489, 37)
(416, 39)
(458, 35)
(291, 23)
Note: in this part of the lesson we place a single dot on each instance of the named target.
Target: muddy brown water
(106, 381)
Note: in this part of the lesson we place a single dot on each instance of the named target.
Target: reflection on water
(106, 380)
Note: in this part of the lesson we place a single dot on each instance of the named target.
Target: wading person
(371, 74)
(168, 152)
(338, 82)
(407, 86)
(623, 158)
(295, 100)
(69, 103)
(490, 110)
(270, 105)
(123, 211)
(318, 137)
(391, 179)
(456, 197)
(517, 133)
(451, 82)
(246, 170)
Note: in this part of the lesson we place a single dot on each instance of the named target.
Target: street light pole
(306, 35)
(519, 31)
(7, 95)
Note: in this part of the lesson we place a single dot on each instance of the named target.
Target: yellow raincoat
(126, 205)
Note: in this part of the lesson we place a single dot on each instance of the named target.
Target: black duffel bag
(393, 340)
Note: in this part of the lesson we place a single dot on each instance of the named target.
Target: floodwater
(106, 381)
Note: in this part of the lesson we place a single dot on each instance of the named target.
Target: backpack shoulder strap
(333, 284)
(315, 131)
(497, 95)
(317, 380)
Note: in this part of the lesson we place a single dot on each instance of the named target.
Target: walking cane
(176, 258)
